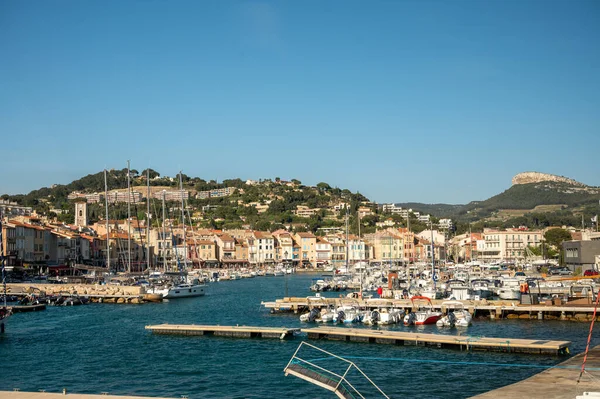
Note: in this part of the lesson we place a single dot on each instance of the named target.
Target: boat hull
(428, 320)
(185, 292)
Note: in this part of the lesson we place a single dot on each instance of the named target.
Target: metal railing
(341, 382)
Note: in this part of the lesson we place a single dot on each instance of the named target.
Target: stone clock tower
(81, 213)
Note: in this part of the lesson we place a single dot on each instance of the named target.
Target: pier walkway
(224, 331)
(461, 342)
(50, 395)
(439, 340)
(556, 383)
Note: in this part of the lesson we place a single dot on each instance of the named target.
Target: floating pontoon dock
(439, 340)
(373, 336)
(224, 331)
(492, 309)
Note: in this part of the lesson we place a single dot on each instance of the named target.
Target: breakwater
(96, 292)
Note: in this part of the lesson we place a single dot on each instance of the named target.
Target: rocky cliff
(537, 177)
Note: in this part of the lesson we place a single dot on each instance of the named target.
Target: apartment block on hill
(508, 245)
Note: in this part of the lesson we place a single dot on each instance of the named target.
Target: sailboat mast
(360, 257)
(2, 262)
(470, 245)
(164, 232)
(107, 233)
(347, 242)
(128, 220)
(432, 257)
(183, 221)
(148, 219)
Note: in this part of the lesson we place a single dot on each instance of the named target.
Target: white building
(392, 208)
(438, 236)
(445, 224)
(509, 244)
(261, 248)
(423, 218)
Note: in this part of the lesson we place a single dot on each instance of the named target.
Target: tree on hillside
(556, 237)
(238, 183)
(152, 173)
(323, 187)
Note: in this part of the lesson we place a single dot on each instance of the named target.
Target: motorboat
(371, 318)
(185, 290)
(510, 289)
(390, 316)
(310, 316)
(347, 314)
(480, 288)
(327, 315)
(320, 285)
(383, 316)
(458, 289)
(456, 315)
(181, 290)
(425, 314)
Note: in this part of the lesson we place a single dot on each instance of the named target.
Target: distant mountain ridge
(528, 190)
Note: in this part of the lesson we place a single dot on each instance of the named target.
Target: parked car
(560, 271)
(590, 273)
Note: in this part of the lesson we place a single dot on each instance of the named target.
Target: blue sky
(429, 101)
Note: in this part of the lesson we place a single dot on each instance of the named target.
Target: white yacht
(185, 290)
(510, 289)
(181, 290)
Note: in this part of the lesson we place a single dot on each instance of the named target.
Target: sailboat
(183, 289)
(5, 311)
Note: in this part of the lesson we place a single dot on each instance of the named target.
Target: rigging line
(587, 347)
(2, 261)
(193, 235)
(173, 242)
(399, 359)
(140, 235)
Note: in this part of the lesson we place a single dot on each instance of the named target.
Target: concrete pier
(96, 293)
(555, 383)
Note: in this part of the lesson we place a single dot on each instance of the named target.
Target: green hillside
(528, 196)
(558, 203)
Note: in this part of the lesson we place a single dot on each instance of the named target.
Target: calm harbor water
(105, 348)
